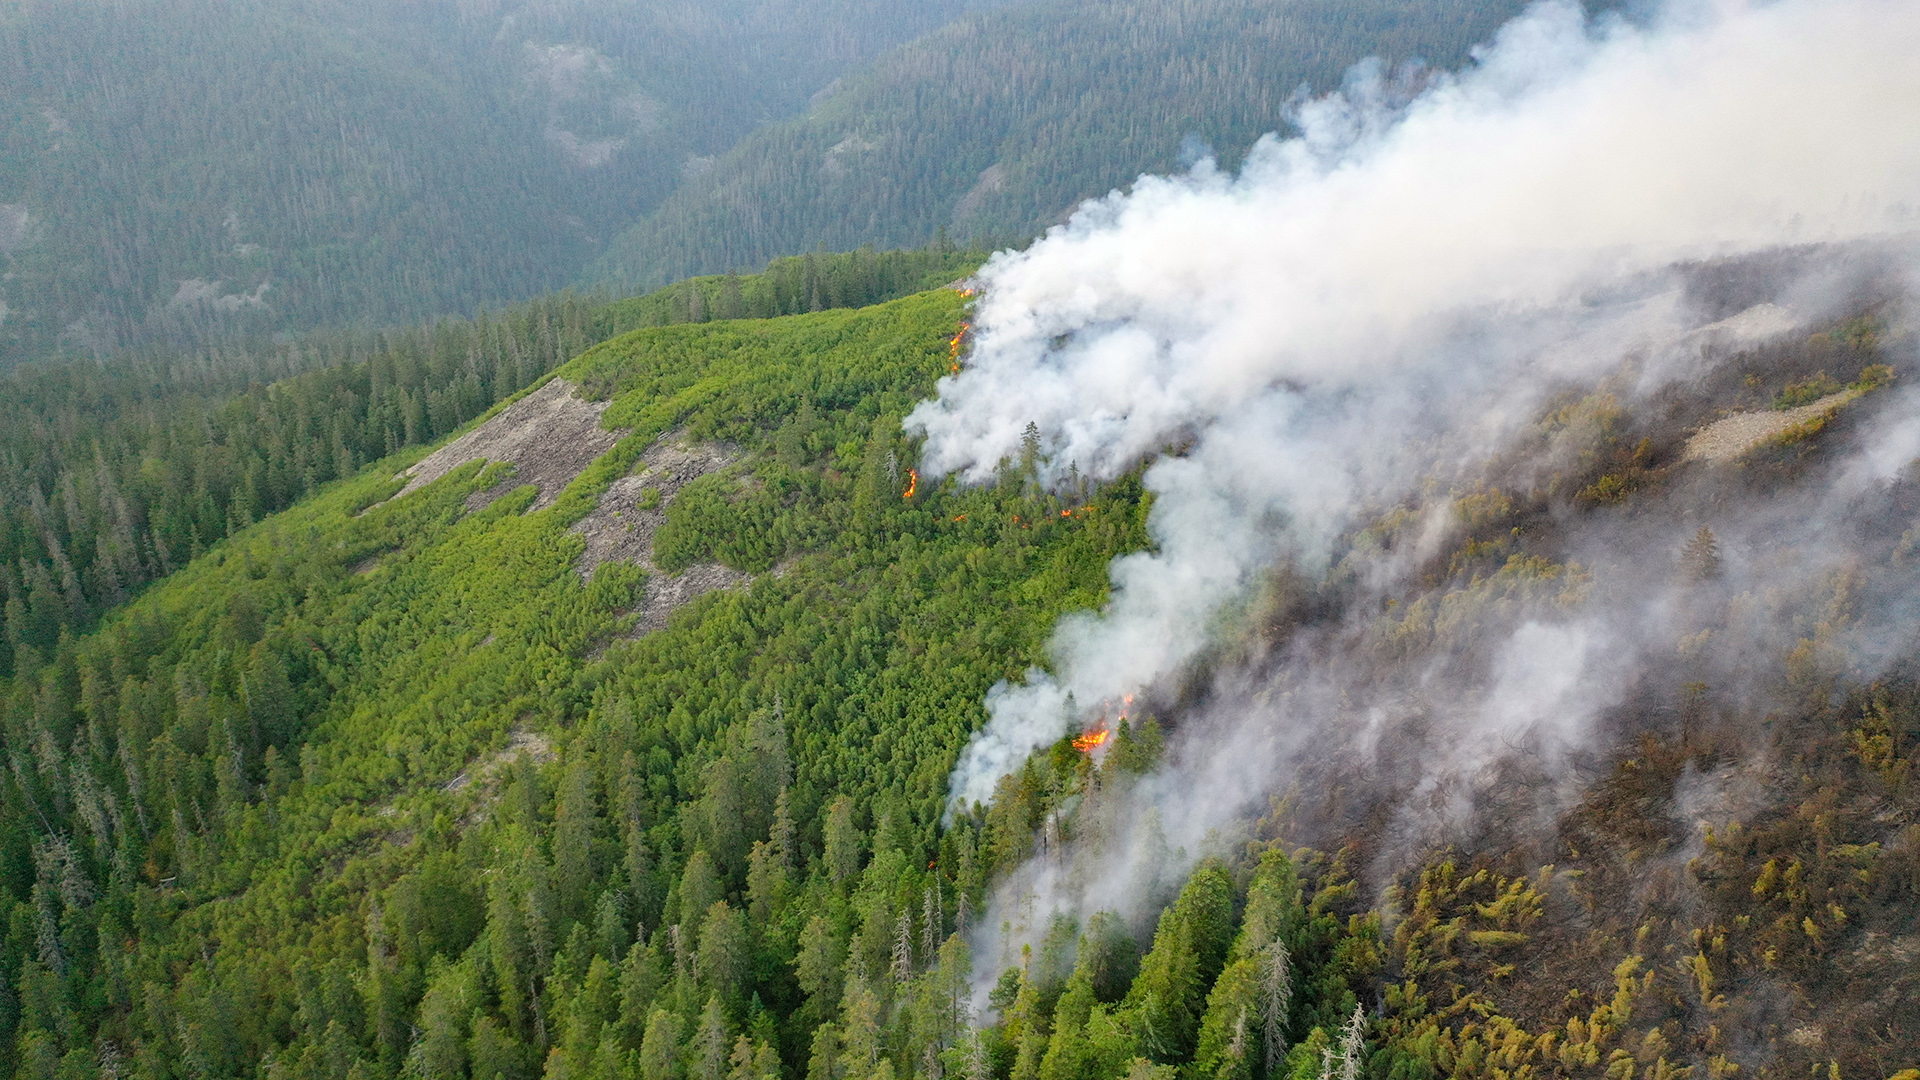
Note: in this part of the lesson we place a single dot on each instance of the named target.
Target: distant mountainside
(996, 125)
(191, 168)
(188, 171)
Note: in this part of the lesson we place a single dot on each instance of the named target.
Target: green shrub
(1806, 393)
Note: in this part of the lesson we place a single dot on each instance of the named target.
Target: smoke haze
(1376, 316)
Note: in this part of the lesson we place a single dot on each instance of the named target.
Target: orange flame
(1088, 742)
(954, 343)
(913, 484)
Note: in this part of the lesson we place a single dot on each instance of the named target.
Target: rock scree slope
(549, 436)
(1726, 440)
(620, 528)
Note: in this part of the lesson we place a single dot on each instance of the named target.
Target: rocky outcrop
(550, 436)
(621, 527)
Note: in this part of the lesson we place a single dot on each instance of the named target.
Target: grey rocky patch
(550, 436)
(619, 529)
(484, 775)
(666, 593)
(483, 771)
(992, 181)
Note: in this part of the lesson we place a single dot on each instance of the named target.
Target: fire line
(1088, 742)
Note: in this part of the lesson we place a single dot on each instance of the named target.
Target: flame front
(913, 484)
(1089, 741)
(954, 344)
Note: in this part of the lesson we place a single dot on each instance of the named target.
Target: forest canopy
(382, 787)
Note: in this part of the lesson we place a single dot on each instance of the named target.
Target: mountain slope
(381, 786)
(185, 170)
(998, 124)
(117, 473)
(325, 698)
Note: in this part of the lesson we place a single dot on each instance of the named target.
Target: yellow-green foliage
(1626, 472)
(791, 286)
(1806, 392)
(1456, 945)
(1443, 618)
(1482, 509)
(1871, 378)
(1581, 426)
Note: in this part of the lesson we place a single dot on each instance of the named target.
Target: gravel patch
(1725, 440)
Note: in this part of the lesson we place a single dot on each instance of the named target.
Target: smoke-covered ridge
(1390, 299)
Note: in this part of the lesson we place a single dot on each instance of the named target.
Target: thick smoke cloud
(1388, 301)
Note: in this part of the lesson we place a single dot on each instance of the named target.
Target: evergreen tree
(1188, 950)
(576, 818)
(660, 1047)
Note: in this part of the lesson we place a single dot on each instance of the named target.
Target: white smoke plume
(1391, 298)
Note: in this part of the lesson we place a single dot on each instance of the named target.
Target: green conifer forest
(381, 787)
(645, 540)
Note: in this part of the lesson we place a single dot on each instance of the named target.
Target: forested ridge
(380, 787)
(265, 760)
(995, 126)
(118, 473)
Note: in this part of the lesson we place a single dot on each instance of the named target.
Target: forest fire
(954, 344)
(1090, 741)
(913, 484)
